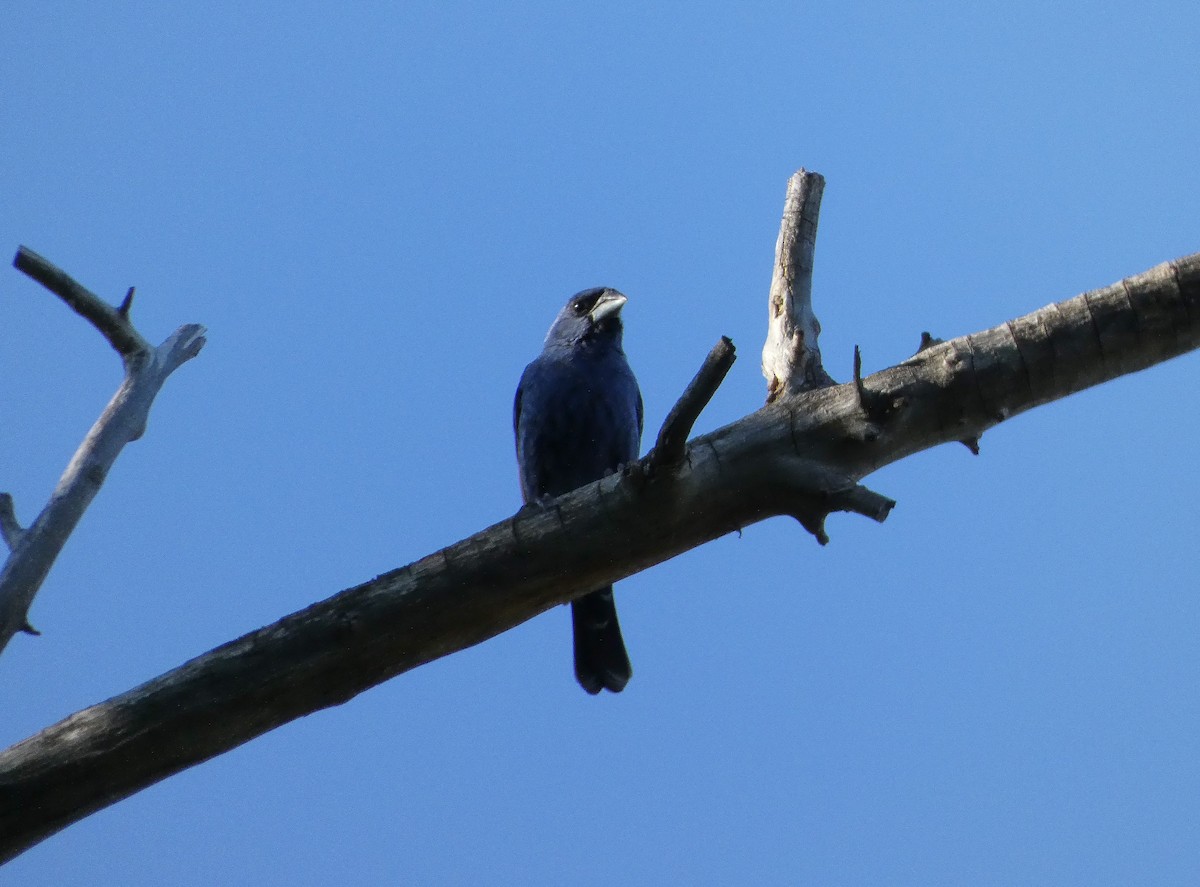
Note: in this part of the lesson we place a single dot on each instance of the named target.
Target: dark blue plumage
(578, 417)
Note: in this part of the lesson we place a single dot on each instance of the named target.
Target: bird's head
(590, 317)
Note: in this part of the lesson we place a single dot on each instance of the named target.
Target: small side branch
(34, 550)
(113, 323)
(126, 304)
(812, 491)
(858, 382)
(791, 358)
(671, 445)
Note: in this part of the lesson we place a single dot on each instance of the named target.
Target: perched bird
(577, 418)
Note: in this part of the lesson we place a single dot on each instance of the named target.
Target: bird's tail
(601, 662)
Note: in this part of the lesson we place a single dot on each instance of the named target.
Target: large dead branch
(34, 550)
(801, 455)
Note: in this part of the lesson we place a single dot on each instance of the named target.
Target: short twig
(126, 304)
(671, 445)
(815, 492)
(928, 340)
(861, 500)
(858, 382)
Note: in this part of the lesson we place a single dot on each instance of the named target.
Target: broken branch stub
(791, 357)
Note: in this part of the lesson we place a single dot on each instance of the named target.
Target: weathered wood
(33, 550)
(791, 357)
(802, 455)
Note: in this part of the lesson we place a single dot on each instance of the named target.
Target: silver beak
(607, 305)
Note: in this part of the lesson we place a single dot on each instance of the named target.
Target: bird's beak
(607, 305)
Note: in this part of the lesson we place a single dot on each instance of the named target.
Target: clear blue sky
(378, 208)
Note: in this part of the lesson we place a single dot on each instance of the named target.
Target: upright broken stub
(791, 357)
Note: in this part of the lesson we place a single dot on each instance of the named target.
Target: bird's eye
(579, 306)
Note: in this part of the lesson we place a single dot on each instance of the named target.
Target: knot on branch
(877, 407)
(928, 340)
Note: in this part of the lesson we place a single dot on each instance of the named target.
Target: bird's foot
(540, 504)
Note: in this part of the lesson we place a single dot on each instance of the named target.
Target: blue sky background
(377, 210)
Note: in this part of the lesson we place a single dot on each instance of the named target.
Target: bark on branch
(802, 455)
(33, 550)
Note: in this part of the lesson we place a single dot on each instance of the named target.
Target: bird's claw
(540, 504)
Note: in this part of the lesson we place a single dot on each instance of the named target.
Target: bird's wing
(526, 381)
(639, 410)
(517, 405)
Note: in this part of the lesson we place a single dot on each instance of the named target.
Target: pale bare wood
(33, 550)
(791, 356)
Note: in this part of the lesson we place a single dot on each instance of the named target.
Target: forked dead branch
(33, 550)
